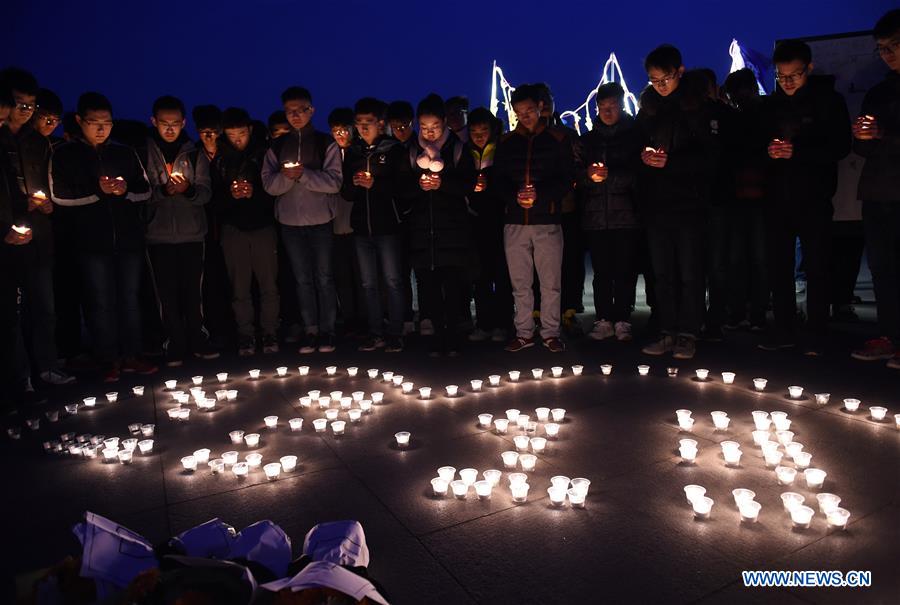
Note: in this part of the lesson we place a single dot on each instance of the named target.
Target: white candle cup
(216, 466)
(749, 510)
(452, 390)
(773, 459)
(129, 444)
(352, 371)
(346, 402)
(237, 437)
(202, 455)
(785, 475)
(837, 518)
(679, 414)
(188, 463)
(560, 481)
(272, 470)
(761, 420)
(692, 492)
(538, 444)
(577, 370)
(728, 377)
(88, 451)
(501, 425)
(531, 426)
(230, 457)
(740, 495)
(365, 406)
(407, 387)
(138, 391)
(686, 423)
(492, 476)
(288, 463)
(643, 370)
(324, 402)
(522, 420)
(331, 370)
(355, 414)
(672, 372)
(425, 392)
(802, 460)
(387, 376)
(372, 372)
(271, 421)
(702, 373)
(90, 402)
(778, 417)
(402, 439)
(793, 448)
(484, 420)
(521, 442)
(171, 384)
(145, 446)
(784, 437)
(581, 484)
(468, 476)
(795, 392)
(253, 459)
(557, 496)
(197, 380)
(688, 453)
(576, 498)
(827, 502)
(551, 429)
(897, 421)
(510, 458)
(113, 397)
(542, 414)
(537, 373)
(147, 430)
(314, 394)
(815, 477)
(512, 414)
(801, 516)
(877, 412)
(221, 395)
(556, 371)
(222, 376)
(337, 427)
(240, 469)
(303, 370)
(732, 455)
(519, 492)
(447, 473)
(606, 369)
(527, 461)
(460, 489)
(296, 424)
(439, 486)
(358, 396)
(377, 397)
(702, 507)
(851, 405)
(251, 439)
(331, 414)
(760, 437)
(483, 489)
(476, 384)
(558, 414)
(254, 374)
(281, 371)
(720, 420)
(760, 384)
(397, 380)
(514, 375)
(494, 380)
(52, 415)
(71, 408)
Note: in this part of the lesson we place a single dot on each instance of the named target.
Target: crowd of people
(257, 235)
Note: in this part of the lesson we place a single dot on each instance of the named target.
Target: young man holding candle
(176, 229)
(248, 237)
(533, 172)
(876, 136)
(373, 165)
(808, 129)
(106, 186)
(678, 159)
(302, 170)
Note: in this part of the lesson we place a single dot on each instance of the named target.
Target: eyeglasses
(208, 133)
(26, 106)
(790, 78)
(49, 120)
(340, 132)
(664, 81)
(887, 49)
(299, 112)
(401, 126)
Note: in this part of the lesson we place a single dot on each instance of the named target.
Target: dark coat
(232, 165)
(880, 179)
(376, 211)
(29, 153)
(611, 204)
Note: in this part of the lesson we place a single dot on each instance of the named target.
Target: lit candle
(740, 495)
(288, 463)
(688, 450)
(815, 477)
(551, 429)
(40, 196)
(793, 448)
(785, 475)
(237, 437)
(90, 401)
(802, 460)
(522, 420)
(514, 375)
(113, 397)
(452, 390)
(702, 507)
(407, 387)
(560, 481)
(240, 469)
(197, 380)
(377, 397)
(643, 370)
(577, 370)
(822, 398)
(460, 489)
(527, 461)
(439, 486)
(484, 420)
(221, 395)
(494, 380)
(354, 414)
(761, 420)
(476, 385)
(720, 420)
(606, 369)
(148, 429)
(251, 439)
(230, 457)
(112, 443)
(827, 502)
(702, 373)
(581, 484)
(202, 455)
(272, 470)
(509, 459)
(781, 421)
(387, 376)
(281, 370)
(760, 384)
(71, 408)
(171, 384)
(129, 444)
(531, 427)
(346, 402)
(537, 373)
(402, 439)
(760, 437)
(773, 456)
(138, 391)
(877, 412)
(373, 373)
(749, 510)
(801, 516)
(425, 392)
(492, 476)
(468, 476)
(512, 414)
(731, 451)
(254, 374)
(253, 459)
(174, 413)
(897, 421)
(145, 446)
(558, 414)
(501, 425)
(365, 405)
(271, 421)
(331, 370)
(538, 444)
(517, 478)
(542, 414)
(728, 377)
(336, 395)
(352, 371)
(837, 518)
(324, 402)
(795, 392)
(216, 466)
(397, 380)
(483, 489)
(784, 437)
(222, 376)
(331, 414)
(557, 496)
(189, 463)
(337, 427)
(447, 473)
(576, 498)
(519, 492)
(303, 370)
(672, 372)
(685, 422)
(521, 442)
(693, 492)
(183, 399)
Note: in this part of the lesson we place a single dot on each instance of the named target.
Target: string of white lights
(612, 72)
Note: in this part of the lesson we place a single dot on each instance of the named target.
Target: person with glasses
(876, 134)
(533, 173)
(47, 115)
(808, 132)
(678, 160)
(302, 170)
(29, 155)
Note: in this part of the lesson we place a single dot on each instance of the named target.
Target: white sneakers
(604, 329)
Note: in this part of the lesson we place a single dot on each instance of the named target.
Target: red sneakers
(554, 345)
(875, 349)
(111, 373)
(519, 343)
(139, 366)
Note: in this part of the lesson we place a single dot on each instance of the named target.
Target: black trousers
(9, 325)
(178, 275)
(572, 283)
(217, 315)
(848, 241)
(441, 290)
(881, 221)
(614, 258)
(493, 291)
(718, 231)
(748, 282)
(348, 284)
(676, 253)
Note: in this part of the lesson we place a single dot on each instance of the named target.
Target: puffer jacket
(376, 211)
(611, 204)
(880, 178)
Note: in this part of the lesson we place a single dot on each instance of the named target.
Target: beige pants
(530, 247)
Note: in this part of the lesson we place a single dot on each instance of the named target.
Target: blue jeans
(309, 249)
(383, 250)
(111, 283)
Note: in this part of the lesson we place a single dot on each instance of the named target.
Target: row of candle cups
(558, 491)
(749, 508)
(325, 401)
(239, 469)
(110, 451)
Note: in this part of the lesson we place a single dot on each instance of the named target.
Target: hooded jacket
(232, 165)
(179, 218)
(102, 223)
(543, 159)
(880, 178)
(611, 204)
(311, 199)
(815, 120)
(376, 211)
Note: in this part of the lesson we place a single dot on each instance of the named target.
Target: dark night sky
(245, 53)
